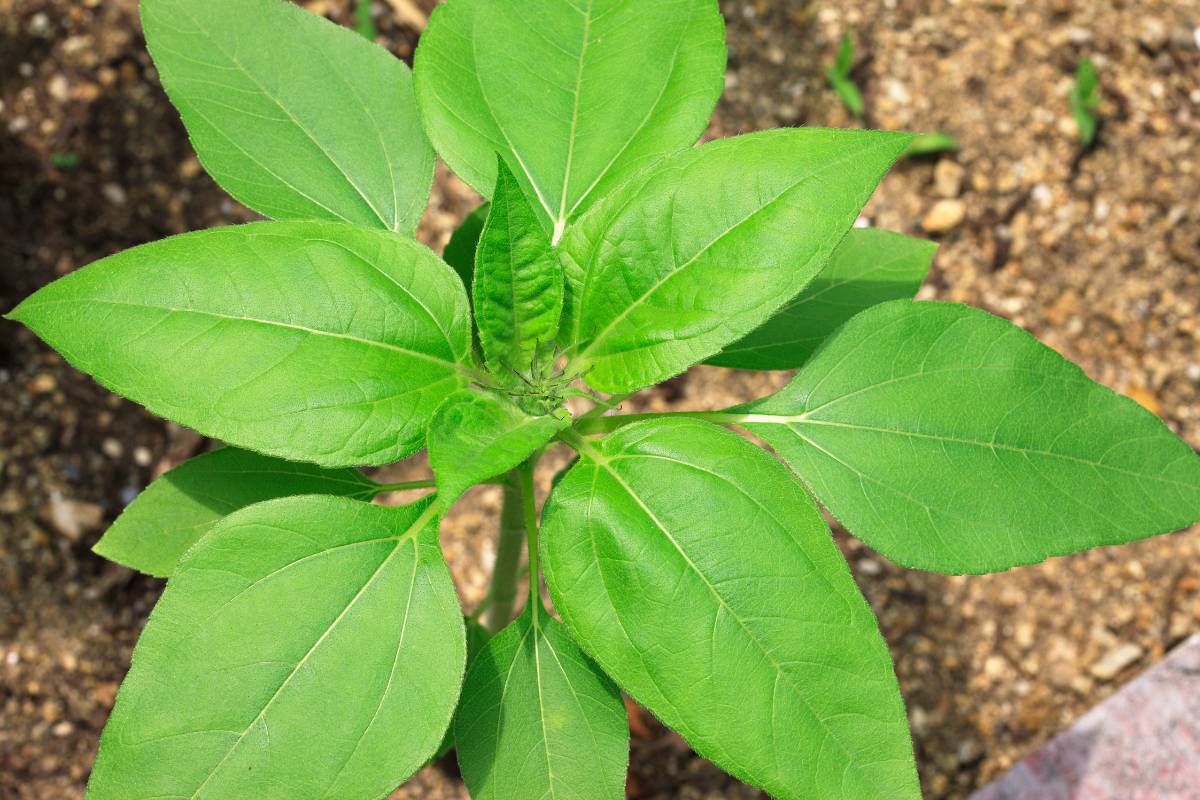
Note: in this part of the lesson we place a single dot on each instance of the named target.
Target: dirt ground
(1099, 255)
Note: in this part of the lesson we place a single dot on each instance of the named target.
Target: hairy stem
(503, 594)
(529, 504)
(604, 405)
(403, 486)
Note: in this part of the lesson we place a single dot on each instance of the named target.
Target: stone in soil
(1143, 742)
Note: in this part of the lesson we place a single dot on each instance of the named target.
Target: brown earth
(1098, 254)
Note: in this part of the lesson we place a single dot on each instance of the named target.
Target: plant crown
(310, 644)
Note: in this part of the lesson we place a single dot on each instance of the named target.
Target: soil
(1097, 253)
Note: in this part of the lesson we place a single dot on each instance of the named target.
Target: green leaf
(848, 92)
(477, 435)
(839, 78)
(869, 267)
(845, 56)
(477, 637)
(518, 286)
(1087, 82)
(1085, 100)
(185, 503)
(293, 115)
(928, 144)
(702, 578)
(574, 96)
(306, 647)
(460, 250)
(951, 440)
(363, 22)
(708, 246)
(311, 341)
(538, 719)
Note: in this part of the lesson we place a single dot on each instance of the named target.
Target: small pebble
(948, 178)
(1116, 660)
(42, 383)
(59, 89)
(869, 567)
(114, 194)
(944, 216)
(112, 448)
(73, 518)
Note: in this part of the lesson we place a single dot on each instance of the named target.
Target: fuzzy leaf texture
(307, 647)
(701, 577)
(293, 115)
(707, 246)
(518, 286)
(478, 435)
(537, 719)
(311, 341)
(184, 504)
(870, 266)
(574, 96)
(951, 440)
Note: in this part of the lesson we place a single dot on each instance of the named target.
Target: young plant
(838, 75)
(931, 144)
(310, 644)
(1085, 102)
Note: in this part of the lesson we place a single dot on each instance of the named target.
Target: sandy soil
(1097, 254)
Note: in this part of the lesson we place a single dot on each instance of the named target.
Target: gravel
(1098, 254)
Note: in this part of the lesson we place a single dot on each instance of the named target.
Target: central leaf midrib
(793, 423)
(259, 321)
(561, 220)
(693, 259)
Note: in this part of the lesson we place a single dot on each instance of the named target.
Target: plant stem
(603, 406)
(426, 483)
(503, 593)
(529, 504)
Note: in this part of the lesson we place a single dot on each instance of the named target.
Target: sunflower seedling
(839, 76)
(1085, 102)
(310, 644)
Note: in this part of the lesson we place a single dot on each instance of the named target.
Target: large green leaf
(537, 719)
(294, 116)
(951, 440)
(575, 96)
(701, 577)
(518, 286)
(185, 503)
(308, 647)
(708, 245)
(870, 266)
(312, 341)
(477, 435)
